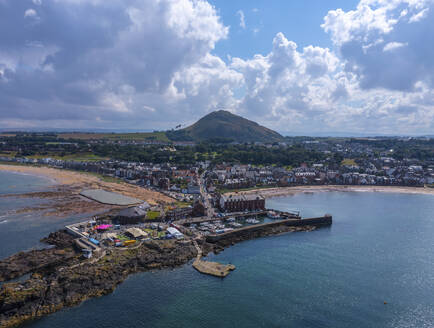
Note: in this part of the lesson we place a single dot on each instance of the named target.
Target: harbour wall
(325, 220)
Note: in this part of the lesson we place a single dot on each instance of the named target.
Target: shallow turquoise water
(380, 248)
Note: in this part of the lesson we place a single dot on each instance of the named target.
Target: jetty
(211, 268)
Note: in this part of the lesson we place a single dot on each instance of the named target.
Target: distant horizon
(284, 134)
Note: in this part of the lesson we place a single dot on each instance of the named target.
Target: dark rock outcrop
(70, 285)
(59, 279)
(59, 238)
(22, 263)
(233, 239)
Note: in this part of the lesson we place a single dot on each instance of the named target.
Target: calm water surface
(22, 231)
(380, 248)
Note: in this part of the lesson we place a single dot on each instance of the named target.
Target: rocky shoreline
(60, 278)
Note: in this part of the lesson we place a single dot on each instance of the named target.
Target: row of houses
(171, 178)
(381, 172)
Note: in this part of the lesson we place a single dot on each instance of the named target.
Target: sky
(306, 67)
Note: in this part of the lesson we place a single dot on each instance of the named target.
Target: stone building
(241, 202)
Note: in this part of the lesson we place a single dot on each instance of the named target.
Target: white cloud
(287, 82)
(37, 2)
(95, 58)
(242, 19)
(309, 90)
(148, 108)
(30, 13)
(366, 36)
(150, 64)
(394, 45)
(419, 16)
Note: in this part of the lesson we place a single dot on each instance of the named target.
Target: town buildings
(235, 202)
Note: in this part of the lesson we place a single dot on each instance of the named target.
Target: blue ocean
(374, 267)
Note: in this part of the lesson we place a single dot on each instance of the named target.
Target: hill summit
(221, 125)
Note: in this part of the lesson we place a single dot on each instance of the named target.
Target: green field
(152, 215)
(141, 136)
(348, 161)
(104, 178)
(80, 157)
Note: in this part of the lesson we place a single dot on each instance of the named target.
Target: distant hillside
(223, 125)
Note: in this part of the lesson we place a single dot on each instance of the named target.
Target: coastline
(79, 179)
(289, 191)
(73, 182)
(46, 177)
(61, 278)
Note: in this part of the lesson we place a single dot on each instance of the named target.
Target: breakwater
(199, 220)
(314, 222)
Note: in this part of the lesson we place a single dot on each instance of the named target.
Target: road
(209, 209)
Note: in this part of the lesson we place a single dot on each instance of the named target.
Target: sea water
(21, 230)
(379, 249)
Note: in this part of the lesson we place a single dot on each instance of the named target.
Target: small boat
(273, 215)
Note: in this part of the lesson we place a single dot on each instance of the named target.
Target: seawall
(325, 220)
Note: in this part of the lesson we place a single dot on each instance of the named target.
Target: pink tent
(103, 226)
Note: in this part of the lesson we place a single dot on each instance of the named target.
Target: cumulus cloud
(310, 89)
(96, 58)
(366, 36)
(288, 83)
(150, 65)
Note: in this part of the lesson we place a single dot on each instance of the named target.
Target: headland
(91, 258)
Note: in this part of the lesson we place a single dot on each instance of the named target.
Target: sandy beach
(78, 180)
(68, 185)
(286, 191)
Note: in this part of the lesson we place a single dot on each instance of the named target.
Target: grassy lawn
(152, 215)
(348, 161)
(176, 205)
(79, 157)
(182, 204)
(84, 157)
(102, 177)
(8, 153)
